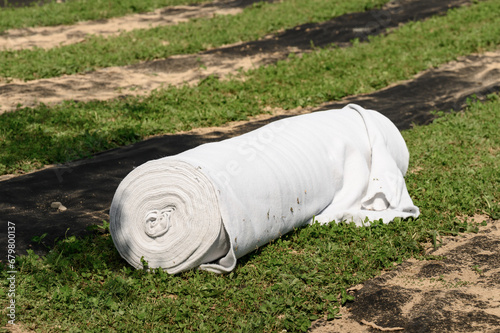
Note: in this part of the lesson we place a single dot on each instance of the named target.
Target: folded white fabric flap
(386, 190)
(210, 205)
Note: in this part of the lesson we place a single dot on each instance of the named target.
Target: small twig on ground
(373, 325)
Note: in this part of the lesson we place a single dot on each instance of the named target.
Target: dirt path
(113, 82)
(460, 293)
(48, 37)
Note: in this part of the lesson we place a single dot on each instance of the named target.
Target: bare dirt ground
(458, 293)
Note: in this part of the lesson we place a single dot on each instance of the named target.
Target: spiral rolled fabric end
(166, 212)
(157, 222)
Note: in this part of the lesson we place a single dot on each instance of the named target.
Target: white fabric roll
(210, 205)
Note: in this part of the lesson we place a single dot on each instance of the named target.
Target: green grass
(73, 11)
(83, 285)
(464, 149)
(184, 38)
(33, 137)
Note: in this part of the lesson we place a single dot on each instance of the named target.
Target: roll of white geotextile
(210, 205)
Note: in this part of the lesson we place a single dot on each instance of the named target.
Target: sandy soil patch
(17, 328)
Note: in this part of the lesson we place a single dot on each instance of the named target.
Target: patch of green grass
(72, 11)
(84, 285)
(184, 38)
(33, 137)
(464, 147)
